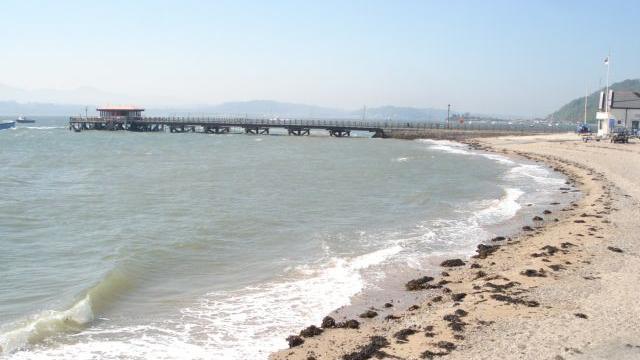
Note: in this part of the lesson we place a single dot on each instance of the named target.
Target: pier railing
(334, 123)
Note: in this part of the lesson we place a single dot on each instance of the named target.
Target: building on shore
(621, 109)
(128, 112)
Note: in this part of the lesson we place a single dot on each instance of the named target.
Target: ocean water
(189, 246)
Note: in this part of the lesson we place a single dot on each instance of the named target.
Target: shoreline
(478, 307)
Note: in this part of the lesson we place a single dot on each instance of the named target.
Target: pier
(131, 119)
(222, 125)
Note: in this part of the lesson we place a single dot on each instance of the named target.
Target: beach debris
(436, 298)
(419, 283)
(579, 221)
(499, 238)
(537, 218)
(527, 228)
(448, 346)
(501, 288)
(430, 354)
(388, 305)
(480, 274)
(566, 245)
(403, 334)
(413, 308)
(557, 267)
(349, 324)
(429, 334)
(615, 249)
(581, 315)
(369, 314)
(475, 266)
(392, 317)
(458, 337)
(368, 351)
(444, 273)
(485, 250)
(547, 212)
(516, 301)
(455, 323)
(295, 340)
(452, 263)
(458, 297)
(328, 322)
(534, 273)
(461, 313)
(311, 331)
(551, 250)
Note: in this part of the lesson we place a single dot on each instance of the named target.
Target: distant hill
(13, 108)
(574, 110)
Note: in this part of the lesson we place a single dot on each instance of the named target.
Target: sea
(121, 245)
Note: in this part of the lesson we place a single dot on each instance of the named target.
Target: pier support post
(299, 131)
(339, 132)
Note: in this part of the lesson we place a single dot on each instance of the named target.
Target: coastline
(540, 295)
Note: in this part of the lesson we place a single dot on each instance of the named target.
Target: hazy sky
(509, 57)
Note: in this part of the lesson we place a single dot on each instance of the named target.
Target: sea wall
(450, 134)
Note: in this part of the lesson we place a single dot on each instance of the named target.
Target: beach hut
(621, 109)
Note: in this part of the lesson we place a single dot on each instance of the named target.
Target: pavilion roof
(119, 108)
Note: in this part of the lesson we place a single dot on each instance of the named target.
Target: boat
(7, 124)
(24, 120)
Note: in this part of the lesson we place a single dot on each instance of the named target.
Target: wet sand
(560, 289)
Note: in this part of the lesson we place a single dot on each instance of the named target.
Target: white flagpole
(586, 93)
(607, 97)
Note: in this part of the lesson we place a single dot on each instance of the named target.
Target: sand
(567, 288)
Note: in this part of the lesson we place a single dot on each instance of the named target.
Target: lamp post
(448, 111)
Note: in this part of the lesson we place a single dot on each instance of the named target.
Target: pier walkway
(302, 127)
(222, 125)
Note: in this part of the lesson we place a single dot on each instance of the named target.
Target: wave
(453, 147)
(534, 172)
(41, 127)
(49, 323)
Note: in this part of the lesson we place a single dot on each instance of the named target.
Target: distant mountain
(13, 108)
(15, 101)
(81, 95)
(574, 110)
(269, 108)
(260, 108)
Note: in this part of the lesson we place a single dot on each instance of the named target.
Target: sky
(499, 57)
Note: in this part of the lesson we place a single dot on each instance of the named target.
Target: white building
(624, 111)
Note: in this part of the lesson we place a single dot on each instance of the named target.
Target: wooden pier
(222, 125)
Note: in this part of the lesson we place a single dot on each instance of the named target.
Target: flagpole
(586, 93)
(607, 97)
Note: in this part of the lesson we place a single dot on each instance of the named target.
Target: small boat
(7, 124)
(24, 120)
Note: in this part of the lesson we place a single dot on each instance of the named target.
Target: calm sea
(122, 245)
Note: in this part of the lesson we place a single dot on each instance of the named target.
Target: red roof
(119, 108)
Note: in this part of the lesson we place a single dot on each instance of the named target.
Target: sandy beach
(565, 287)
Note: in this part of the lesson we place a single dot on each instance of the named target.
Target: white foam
(534, 172)
(401, 159)
(45, 324)
(461, 149)
(42, 127)
(251, 323)
(501, 210)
